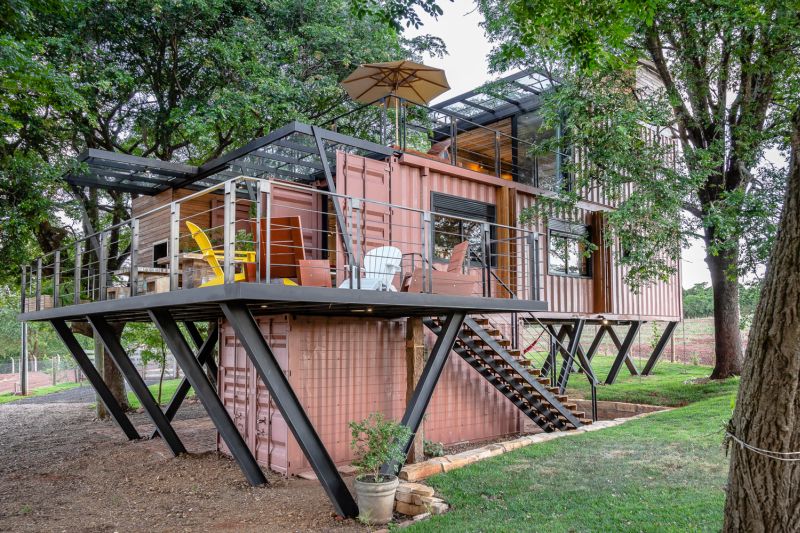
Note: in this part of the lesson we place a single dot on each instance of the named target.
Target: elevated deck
(203, 304)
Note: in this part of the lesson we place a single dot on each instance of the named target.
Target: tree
(178, 81)
(720, 65)
(762, 493)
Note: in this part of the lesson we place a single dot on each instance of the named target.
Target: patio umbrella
(411, 81)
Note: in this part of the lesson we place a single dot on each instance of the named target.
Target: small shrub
(432, 449)
(376, 441)
(695, 360)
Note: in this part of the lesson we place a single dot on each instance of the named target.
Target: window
(538, 169)
(566, 254)
(159, 252)
(448, 231)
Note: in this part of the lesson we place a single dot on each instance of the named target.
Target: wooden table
(194, 268)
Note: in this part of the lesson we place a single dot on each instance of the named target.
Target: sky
(467, 67)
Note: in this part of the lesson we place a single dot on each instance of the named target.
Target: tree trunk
(111, 374)
(727, 338)
(764, 492)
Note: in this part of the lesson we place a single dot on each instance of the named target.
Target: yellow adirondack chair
(213, 257)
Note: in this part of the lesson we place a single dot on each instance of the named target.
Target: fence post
(174, 244)
(134, 271)
(533, 246)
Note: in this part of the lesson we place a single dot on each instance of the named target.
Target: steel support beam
(94, 377)
(623, 355)
(198, 341)
(288, 404)
(195, 375)
(574, 333)
(123, 362)
(419, 401)
(659, 349)
(204, 356)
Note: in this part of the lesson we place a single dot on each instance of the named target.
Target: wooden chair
(212, 257)
(453, 281)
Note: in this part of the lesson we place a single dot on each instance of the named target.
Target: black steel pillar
(94, 377)
(574, 333)
(283, 395)
(623, 355)
(195, 375)
(419, 401)
(659, 349)
(123, 362)
(205, 350)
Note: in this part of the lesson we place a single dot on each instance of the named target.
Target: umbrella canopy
(415, 82)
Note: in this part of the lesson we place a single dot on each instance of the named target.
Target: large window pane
(567, 255)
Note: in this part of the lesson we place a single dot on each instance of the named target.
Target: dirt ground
(62, 470)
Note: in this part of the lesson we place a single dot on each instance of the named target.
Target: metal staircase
(484, 347)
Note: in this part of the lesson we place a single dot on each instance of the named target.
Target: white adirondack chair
(380, 266)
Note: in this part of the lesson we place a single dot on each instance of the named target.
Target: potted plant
(377, 441)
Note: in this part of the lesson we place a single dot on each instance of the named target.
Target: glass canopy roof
(506, 96)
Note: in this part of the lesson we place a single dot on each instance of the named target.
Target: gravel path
(84, 393)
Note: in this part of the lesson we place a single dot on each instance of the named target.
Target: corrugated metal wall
(342, 370)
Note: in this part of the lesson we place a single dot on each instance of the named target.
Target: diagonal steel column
(123, 362)
(283, 395)
(94, 377)
(208, 396)
(623, 354)
(191, 327)
(574, 333)
(659, 349)
(419, 401)
(203, 357)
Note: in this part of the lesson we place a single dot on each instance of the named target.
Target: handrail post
(102, 267)
(533, 245)
(229, 231)
(134, 271)
(453, 140)
(174, 244)
(383, 121)
(356, 207)
(23, 289)
(57, 278)
(263, 216)
(77, 280)
(38, 283)
(427, 252)
(487, 257)
(497, 166)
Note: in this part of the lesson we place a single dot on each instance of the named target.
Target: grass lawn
(169, 387)
(667, 385)
(41, 391)
(665, 472)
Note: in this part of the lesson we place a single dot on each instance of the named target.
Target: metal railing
(448, 137)
(259, 230)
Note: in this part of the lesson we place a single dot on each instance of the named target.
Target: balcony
(287, 247)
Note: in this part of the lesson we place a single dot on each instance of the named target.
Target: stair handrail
(592, 379)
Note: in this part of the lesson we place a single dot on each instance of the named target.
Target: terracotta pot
(376, 500)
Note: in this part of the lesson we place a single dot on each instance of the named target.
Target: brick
(415, 488)
(495, 449)
(514, 444)
(410, 509)
(425, 500)
(458, 462)
(308, 474)
(405, 497)
(422, 470)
